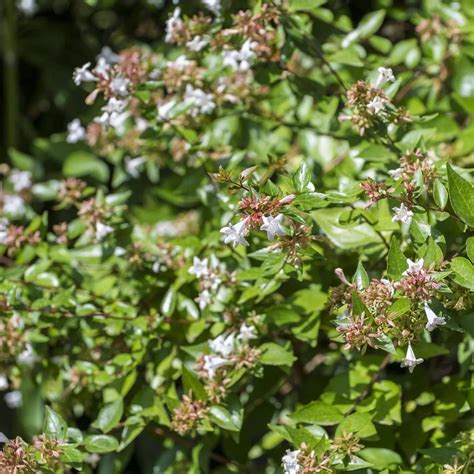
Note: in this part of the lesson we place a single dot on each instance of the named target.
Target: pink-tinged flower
(385, 75)
(410, 360)
(433, 320)
(212, 364)
(402, 214)
(272, 226)
(235, 234)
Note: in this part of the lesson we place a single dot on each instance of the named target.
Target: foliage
(256, 255)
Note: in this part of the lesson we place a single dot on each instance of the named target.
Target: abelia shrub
(253, 253)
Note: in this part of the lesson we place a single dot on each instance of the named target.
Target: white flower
(134, 165)
(112, 115)
(410, 360)
(385, 75)
(246, 333)
(180, 63)
(376, 105)
(13, 204)
(213, 5)
(201, 102)
(164, 110)
(272, 226)
(402, 214)
(27, 7)
(102, 68)
(414, 266)
(173, 25)
(3, 382)
(212, 363)
(82, 74)
(119, 85)
(290, 462)
(27, 356)
(223, 345)
(75, 131)
(3, 229)
(204, 299)
(114, 106)
(20, 180)
(389, 285)
(235, 234)
(197, 44)
(199, 267)
(13, 399)
(156, 267)
(433, 320)
(240, 60)
(102, 231)
(396, 173)
(108, 56)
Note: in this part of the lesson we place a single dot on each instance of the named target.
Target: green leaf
(361, 279)
(101, 443)
(308, 5)
(223, 418)
(302, 178)
(191, 382)
(464, 272)
(369, 24)
(82, 163)
(381, 458)
(358, 423)
(461, 196)
(319, 413)
(274, 354)
(440, 194)
(109, 416)
(54, 424)
(470, 248)
(396, 260)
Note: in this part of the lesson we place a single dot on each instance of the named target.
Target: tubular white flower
(197, 43)
(272, 226)
(75, 131)
(290, 462)
(13, 205)
(246, 333)
(199, 267)
(108, 55)
(3, 382)
(385, 75)
(82, 74)
(134, 165)
(433, 320)
(410, 360)
(20, 180)
(396, 173)
(13, 399)
(414, 266)
(212, 363)
(223, 345)
(204, 299)
(173, 24)
(235, 234)
(102, 231)
(119, 85)
(201, 102)
(213, 5)
(402, 214)
(376, 105)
